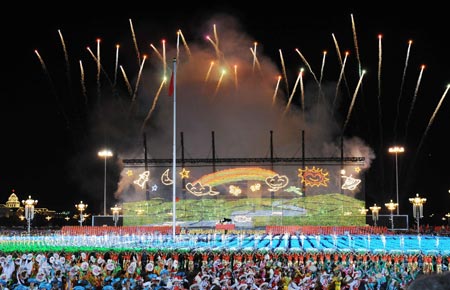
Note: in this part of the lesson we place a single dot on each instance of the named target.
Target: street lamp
(396, 150)
(375, 209)
(417, 208)
(115, 211)
(391, 206)
(105, 153)
(29, 210)
(81, 207)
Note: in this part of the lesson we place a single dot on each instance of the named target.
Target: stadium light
(395, 150)
(105, 153)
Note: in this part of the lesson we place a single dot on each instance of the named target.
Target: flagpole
(174, 149)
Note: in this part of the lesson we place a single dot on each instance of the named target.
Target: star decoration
(154, 187)
(129, 172)
(357, 169)
(184, 173)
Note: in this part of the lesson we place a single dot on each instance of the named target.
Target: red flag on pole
(171, 86)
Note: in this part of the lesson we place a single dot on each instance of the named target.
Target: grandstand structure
(251, 192)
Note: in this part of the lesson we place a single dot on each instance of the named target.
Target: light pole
(395, 150)
(115, 211)
(375, 209)
(391, 206)
(105, 153)
(81, 207)
(29, 210)
(417, 209)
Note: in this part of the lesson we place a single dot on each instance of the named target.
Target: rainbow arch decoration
(234, 175)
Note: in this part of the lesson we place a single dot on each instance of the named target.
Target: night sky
(53, 124)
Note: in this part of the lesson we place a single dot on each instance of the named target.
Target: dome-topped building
(13, 201)
(14, 207)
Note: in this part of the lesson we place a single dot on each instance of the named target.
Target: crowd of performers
(224, 270)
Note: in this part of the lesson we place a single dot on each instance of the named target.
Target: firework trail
(380, 61)
(92, 54)
(307, 65)
(401, 88)
(219, 82)
(338, 51)
(127, 82)
(255, 58)
(284, 72)
(302, 93)
(292, 94)
(212, 42)
(216, 38)
(164, 57)
(353, 102)
(209, 71)
(216, 48)
(355, 40)
(83, 84)
(380, 58)
(138, 54)
(133, 99)
(116, 65)
(341, 74)
(101, 68)
(432, 119)
(66, 58)
(98, 69)
(138, 80)
(235, 77)
(219, 53)
(185, 43)
(254, 55)
(157, 52)
(155, 100)
(178, 44)
(323, 65)
(276, 90)
(413, 100)
(321, 73)
(44, 68)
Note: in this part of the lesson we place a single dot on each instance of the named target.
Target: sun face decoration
(314, 177)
